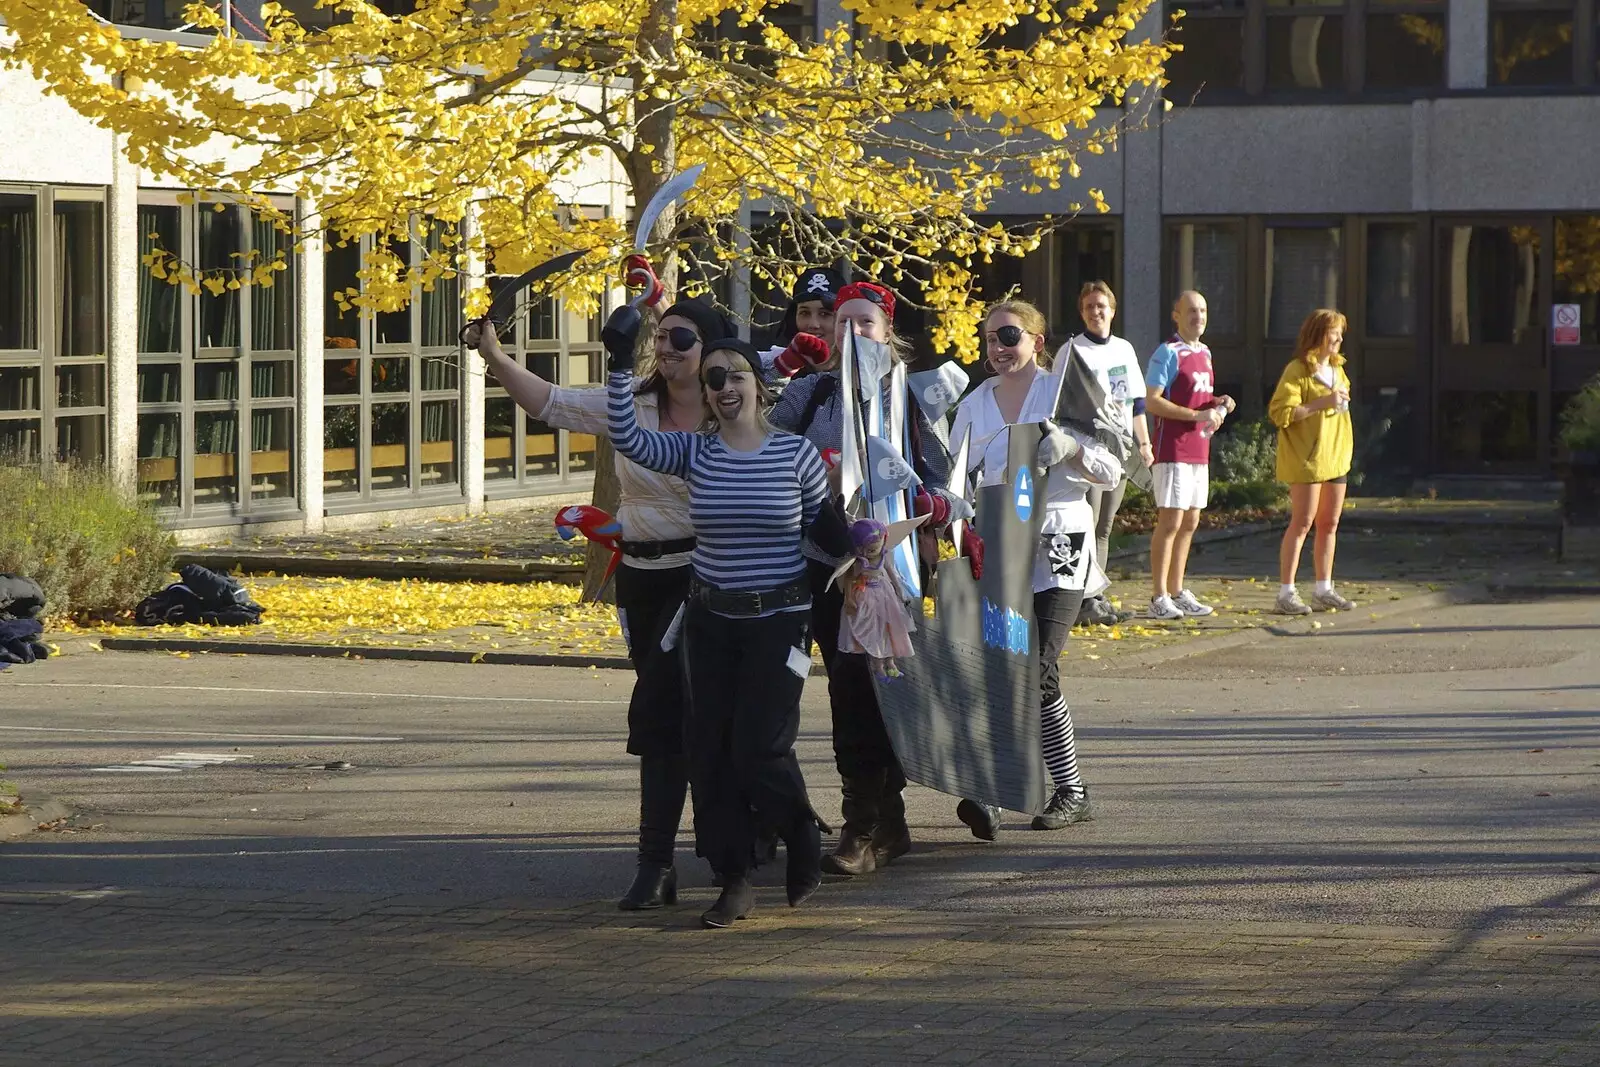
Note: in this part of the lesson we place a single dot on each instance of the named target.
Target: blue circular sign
(1024, 494)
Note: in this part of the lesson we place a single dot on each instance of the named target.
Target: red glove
(639, 275)
(972, 548)
(804, 351)
(935, 507)
(830, 457)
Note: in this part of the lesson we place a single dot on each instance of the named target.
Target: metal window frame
(1585, 49)
(1352, 87)
(563, 349)
(245, 506)
(414, 493)
(46, 355)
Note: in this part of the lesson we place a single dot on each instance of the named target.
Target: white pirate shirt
(1066, 549)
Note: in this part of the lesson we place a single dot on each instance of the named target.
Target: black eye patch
(1009, 335)
(682, 338)
(716, 378)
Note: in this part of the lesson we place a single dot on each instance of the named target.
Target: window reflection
(1391, 279)
(1302, 275)
(1206, 259)
(1577, 271)
(1491, 277)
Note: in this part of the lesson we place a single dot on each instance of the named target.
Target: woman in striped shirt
(654, 577)
(753, 493)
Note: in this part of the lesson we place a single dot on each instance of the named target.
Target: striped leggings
(1054, 612)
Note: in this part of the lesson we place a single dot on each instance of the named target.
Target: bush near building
(94, 550)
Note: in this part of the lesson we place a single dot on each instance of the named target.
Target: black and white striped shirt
(748, 508)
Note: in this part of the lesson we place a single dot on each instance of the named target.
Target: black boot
(891, 839)
(653, 887)
(738, 900)
(854, 854)
(982, 819)
(663, 784)
(804, 874)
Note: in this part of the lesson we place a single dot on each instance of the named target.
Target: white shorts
(1181, 485)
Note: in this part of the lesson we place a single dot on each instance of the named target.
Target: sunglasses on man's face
(1010, 336)
(717, 377)
(680, 337)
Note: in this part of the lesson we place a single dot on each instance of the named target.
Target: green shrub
(1247, 452)
(95, 552)
(1580, 419)
(1247, 495)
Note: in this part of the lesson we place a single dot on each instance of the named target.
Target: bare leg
(1329, 510)
(1167, 522)
(1302, 508)
(1190, 521)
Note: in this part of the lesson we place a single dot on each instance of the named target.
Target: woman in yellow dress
(1311, 408)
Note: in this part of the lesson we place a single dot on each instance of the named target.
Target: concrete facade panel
(1512, 153)
(45, 140)
(1325, 159)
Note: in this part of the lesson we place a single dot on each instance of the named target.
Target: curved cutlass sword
(504, 303)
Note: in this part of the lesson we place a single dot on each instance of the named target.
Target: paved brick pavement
(158, 979)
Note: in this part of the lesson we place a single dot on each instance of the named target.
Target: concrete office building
(1428, 166)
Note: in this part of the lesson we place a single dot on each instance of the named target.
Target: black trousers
(647, 601)
(744, 716)
(861, 746)
(1054, 612)
(658, 709)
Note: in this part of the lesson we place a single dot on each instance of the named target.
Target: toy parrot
(595, 525)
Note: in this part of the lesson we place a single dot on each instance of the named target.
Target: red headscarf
(868, 291)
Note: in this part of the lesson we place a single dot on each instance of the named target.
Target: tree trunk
(647, 172)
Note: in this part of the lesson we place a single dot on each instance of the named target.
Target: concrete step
(1486, 487)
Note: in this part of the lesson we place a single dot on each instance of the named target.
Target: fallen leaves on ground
(376, 611)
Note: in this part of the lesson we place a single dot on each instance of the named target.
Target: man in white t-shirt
(1116, 366)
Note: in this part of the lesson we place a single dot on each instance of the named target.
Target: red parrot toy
(595, 525)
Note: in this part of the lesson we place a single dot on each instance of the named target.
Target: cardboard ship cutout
(964, 716)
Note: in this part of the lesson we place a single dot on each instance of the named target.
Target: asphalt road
(1437, 770)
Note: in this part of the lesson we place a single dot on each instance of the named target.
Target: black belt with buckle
(741, 603)
(656, 549)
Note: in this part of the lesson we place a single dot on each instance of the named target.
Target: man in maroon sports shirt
(1186, 413)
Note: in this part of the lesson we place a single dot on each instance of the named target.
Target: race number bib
(1118, 377)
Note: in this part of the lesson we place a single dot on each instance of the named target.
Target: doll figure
(875, 618)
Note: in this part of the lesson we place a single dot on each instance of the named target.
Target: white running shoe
(1186, 603)
(1162, 607)
(1331, 601)
(1289, 603)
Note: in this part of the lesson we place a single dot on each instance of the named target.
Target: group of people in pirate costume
(772, 500)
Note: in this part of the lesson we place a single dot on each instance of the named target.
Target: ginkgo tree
(881, 142)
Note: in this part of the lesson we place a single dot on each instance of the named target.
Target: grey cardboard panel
(964, 716)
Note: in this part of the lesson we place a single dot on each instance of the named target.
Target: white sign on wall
(1566, 322)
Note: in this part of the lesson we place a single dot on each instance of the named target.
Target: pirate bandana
(871, 292)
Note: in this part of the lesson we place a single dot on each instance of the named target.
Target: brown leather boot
(891, 839)
(854, 855)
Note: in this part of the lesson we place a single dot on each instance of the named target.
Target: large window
(52, 325)
(1206, 257)
(1490, 277)
(216, 380)
(1391, 303)
(1577, 272)
(1302, 274)
(1536, 42)
(1235, 49)
(391, 381)
(562, 346)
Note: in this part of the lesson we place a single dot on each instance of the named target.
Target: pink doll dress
(880, 627)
